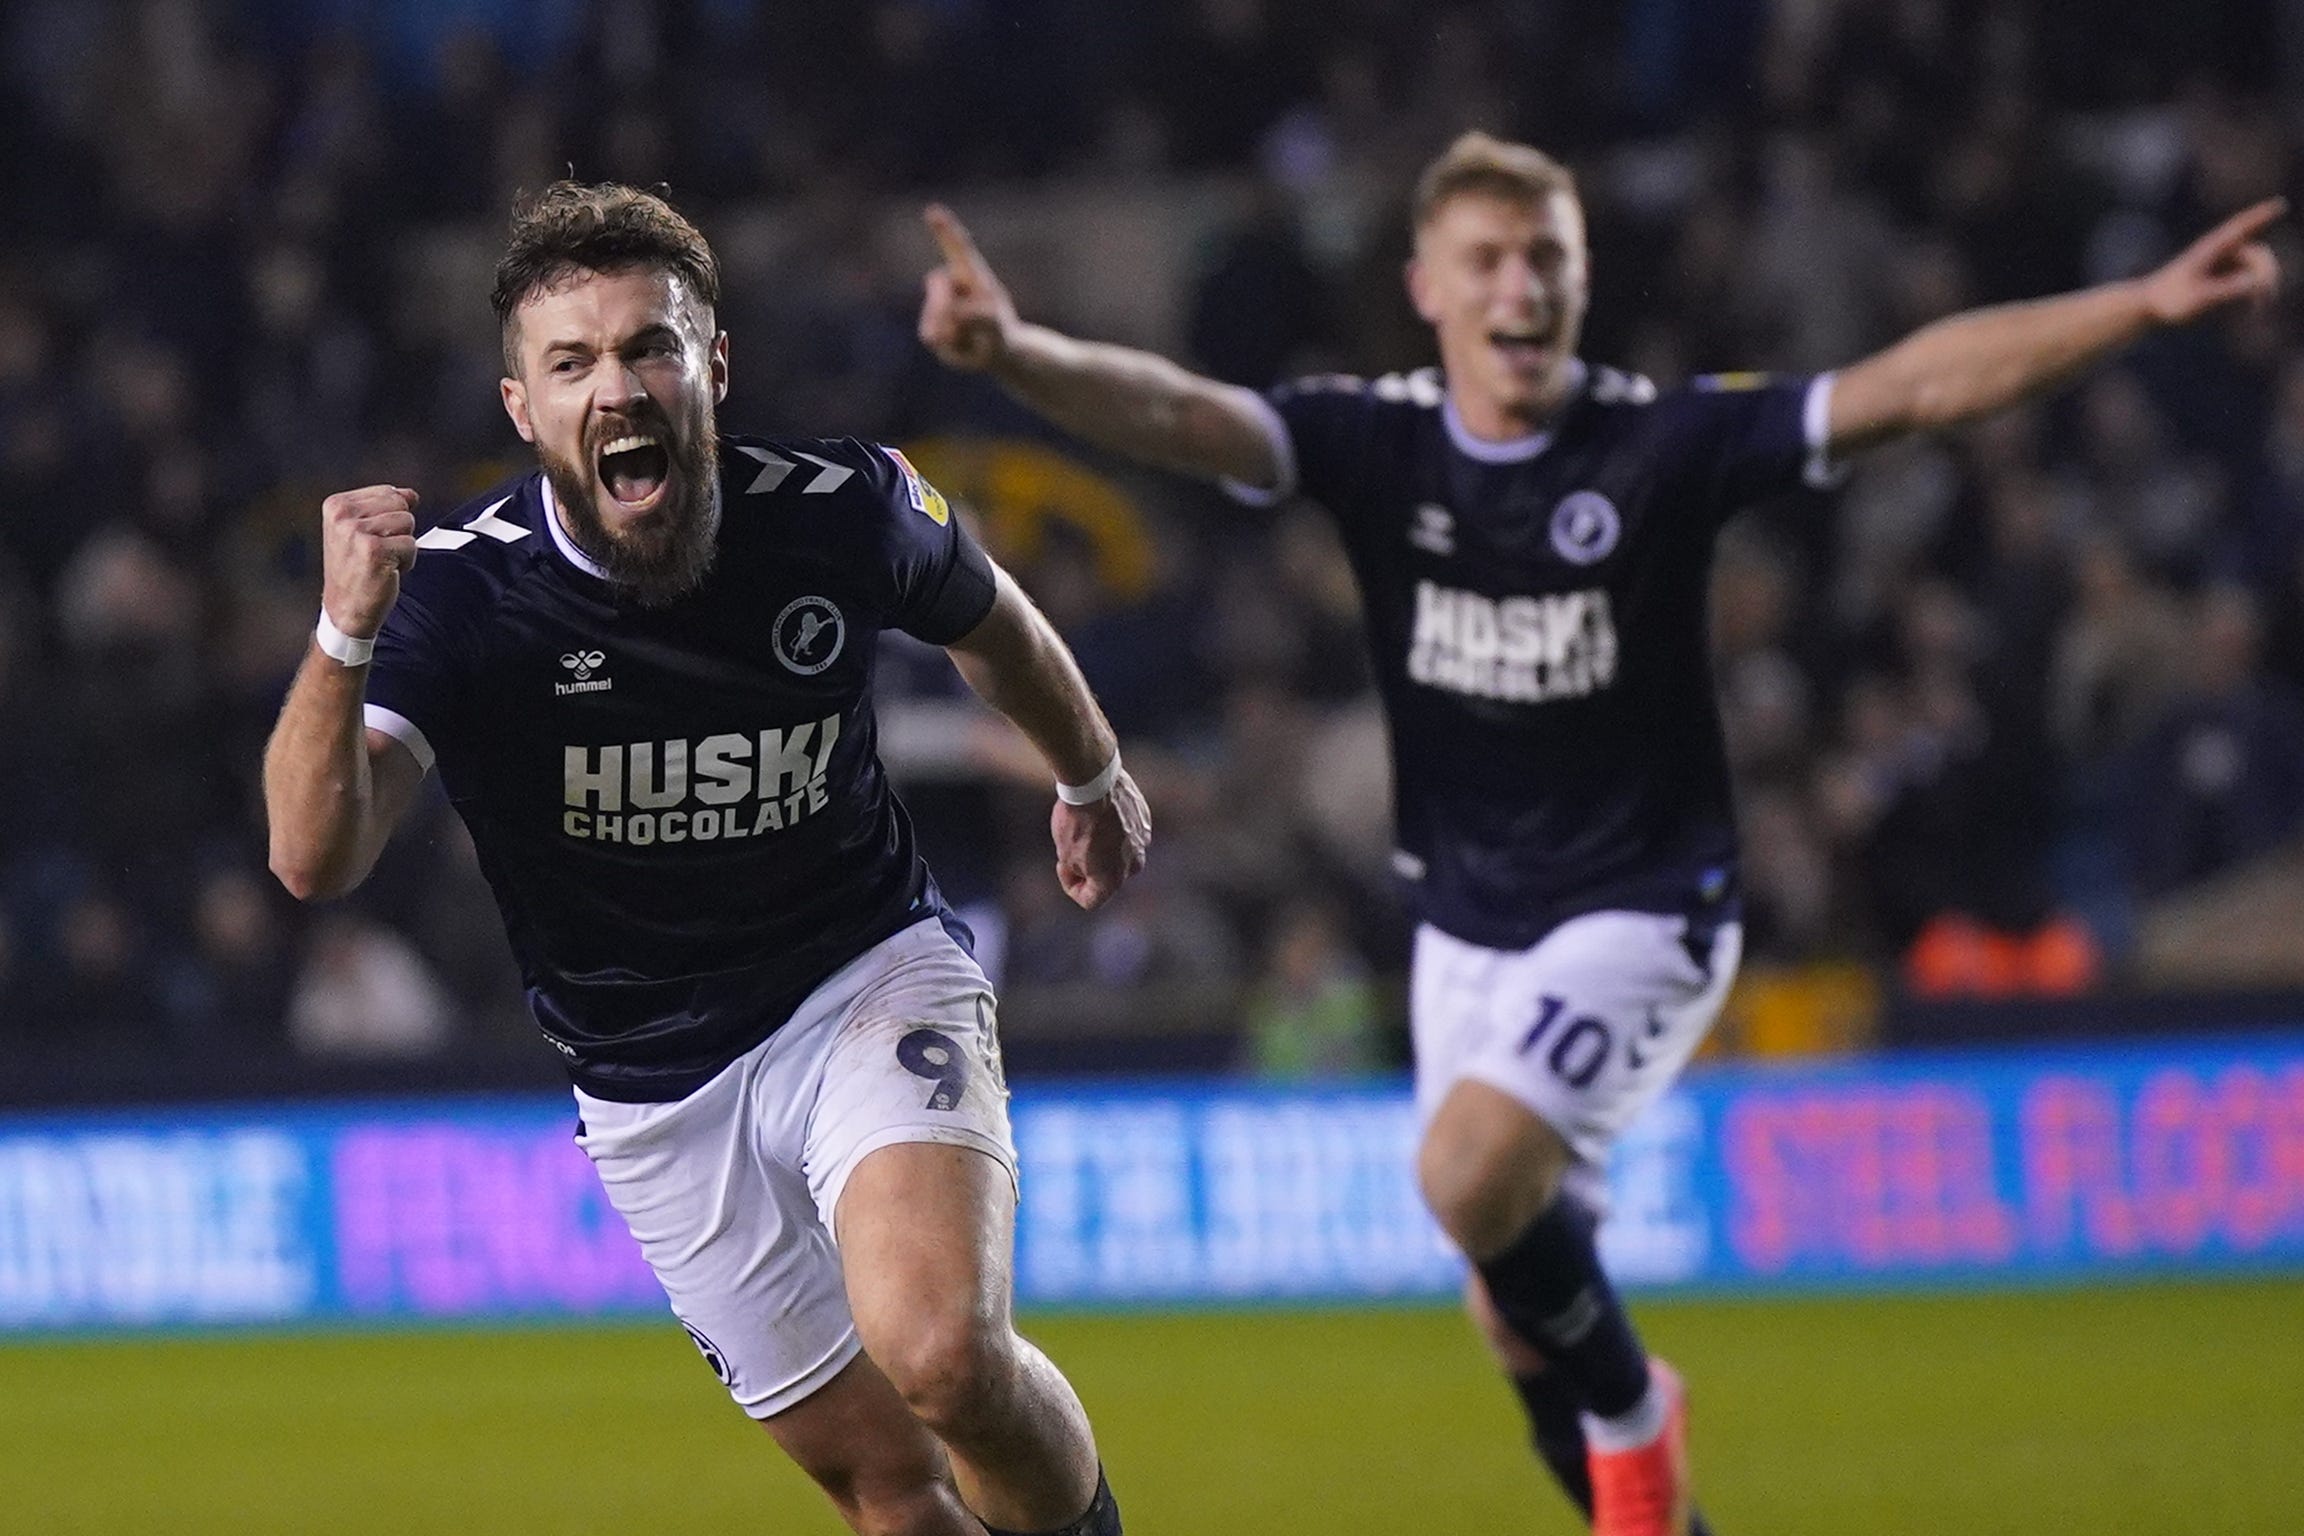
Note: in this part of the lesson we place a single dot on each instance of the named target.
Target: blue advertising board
(1920, 1170)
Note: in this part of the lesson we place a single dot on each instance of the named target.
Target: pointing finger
(2248, 223)
(953, 239)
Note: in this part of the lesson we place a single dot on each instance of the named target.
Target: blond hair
(1479, 162)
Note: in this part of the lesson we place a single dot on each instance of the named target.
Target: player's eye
(567, 365)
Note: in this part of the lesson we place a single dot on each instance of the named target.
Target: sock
(1556, 1422)
(1635, 1427)
(1102, 1518)
(1549, 1288)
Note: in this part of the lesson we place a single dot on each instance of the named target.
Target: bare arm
(333, 789)
(1132, 402)
(1019, 665)
(1986, 360)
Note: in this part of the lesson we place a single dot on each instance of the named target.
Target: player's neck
(1500, 422)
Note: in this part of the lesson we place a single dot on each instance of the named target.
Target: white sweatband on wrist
(351, 650)
(1095, 789)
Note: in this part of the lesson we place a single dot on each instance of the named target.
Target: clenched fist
(367, 540)
(1100, 846)
(967, 316)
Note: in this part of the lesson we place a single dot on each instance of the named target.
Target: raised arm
(1132, 402)
(1985, 360)
(333, 789)
(1019, 665)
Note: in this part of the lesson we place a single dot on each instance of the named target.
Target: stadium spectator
(234, 195)
(2219, 777)
(364, 991)
(1312, 1012)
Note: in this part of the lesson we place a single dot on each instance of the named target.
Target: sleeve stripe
(1283, 450)
(401, 729)
(1822, 472)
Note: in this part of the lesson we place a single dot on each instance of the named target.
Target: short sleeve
(943, 580)
(416, 680)
(1319, 429)
(1758, 434)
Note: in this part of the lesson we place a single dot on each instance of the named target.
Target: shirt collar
(1513, 450)
(566, 545)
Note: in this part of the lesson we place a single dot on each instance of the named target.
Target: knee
(952, 1371)
(910, 1509)
(1487, 1168)
(895, 1481)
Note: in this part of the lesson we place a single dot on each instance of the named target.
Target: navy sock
(1555, 1422)
(1548, 1286)
(1102, 1518)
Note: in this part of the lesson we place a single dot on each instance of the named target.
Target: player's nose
(618, 387)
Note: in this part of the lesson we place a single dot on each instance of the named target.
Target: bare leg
(1488, 1166)
(926, 1236)
(884, 1472)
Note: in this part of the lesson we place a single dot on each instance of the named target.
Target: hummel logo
(1434, 530)
(584, 664)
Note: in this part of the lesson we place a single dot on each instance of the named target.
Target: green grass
(2143, 1409)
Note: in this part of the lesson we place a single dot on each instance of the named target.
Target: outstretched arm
(1134, 403)
(1985, 360)
(1019, 665)
(333, 789)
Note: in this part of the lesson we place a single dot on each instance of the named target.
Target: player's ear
(1419, 279)
(515, 396)
(718, 361)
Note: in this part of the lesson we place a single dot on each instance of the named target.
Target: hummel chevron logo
(774, 467)
(487, 522)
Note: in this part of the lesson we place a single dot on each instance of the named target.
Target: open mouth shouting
(1527, 351)
(636, 472)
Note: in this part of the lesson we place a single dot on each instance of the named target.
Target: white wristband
(1095, 789)
(351, 650)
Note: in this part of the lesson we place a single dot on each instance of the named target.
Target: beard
(666, 554)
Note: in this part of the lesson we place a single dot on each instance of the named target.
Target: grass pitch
(2164, 1408)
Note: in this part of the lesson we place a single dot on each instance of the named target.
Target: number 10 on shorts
(1580, 1047)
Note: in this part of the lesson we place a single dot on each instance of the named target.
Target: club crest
(1585, 527)
(809, 634)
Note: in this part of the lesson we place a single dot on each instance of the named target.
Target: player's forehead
(1481, 216)
(597, 308)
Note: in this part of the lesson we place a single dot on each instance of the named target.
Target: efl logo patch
(808, 634)
(925, 497)
(1727, 383)
(1585, 527)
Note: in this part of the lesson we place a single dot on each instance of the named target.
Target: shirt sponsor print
(1522, 650)
(731, 785)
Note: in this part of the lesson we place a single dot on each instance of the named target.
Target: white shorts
(1586, 1028)
(731, 1191)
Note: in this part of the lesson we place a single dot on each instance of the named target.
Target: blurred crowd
(2015, 712)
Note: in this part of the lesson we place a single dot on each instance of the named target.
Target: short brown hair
(1477, 162)
(574, 226)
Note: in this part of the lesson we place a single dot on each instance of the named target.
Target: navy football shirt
(1536, 611)
(680, 809)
